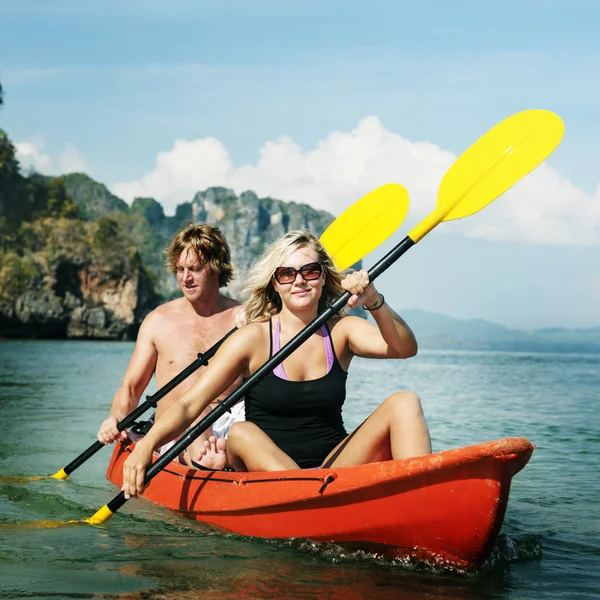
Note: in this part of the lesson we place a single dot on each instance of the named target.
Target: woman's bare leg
(249, 448)
(396, 429)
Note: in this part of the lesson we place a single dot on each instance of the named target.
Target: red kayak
(446, 508)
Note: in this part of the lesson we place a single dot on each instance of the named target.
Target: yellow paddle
(492, 165)
(366, 225)
(486, 170)
(357, 231)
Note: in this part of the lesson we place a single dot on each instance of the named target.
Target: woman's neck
(293, 322)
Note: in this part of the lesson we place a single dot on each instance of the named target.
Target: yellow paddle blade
(60, 475)
(366, 224)
(100, 516)
(493, 164)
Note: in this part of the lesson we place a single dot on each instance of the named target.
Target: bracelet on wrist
(376, 305)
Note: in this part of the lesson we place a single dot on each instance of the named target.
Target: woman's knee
(405, 404)
(242, 433)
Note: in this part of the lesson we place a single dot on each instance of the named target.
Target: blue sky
(107, 86)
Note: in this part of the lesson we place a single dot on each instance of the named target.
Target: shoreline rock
(85, 302)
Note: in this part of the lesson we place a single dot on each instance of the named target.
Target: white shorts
(222, 424)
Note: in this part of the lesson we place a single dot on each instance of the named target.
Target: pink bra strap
(279, 371)
(328, 347)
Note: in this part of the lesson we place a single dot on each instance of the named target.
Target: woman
(294, 414)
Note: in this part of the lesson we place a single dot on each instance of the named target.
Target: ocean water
(53, 395)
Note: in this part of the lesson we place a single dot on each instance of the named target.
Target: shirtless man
(173, 334)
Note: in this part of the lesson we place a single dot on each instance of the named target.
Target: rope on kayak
(243, 481)
(324, 480)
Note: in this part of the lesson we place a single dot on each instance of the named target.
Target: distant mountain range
(443, 332)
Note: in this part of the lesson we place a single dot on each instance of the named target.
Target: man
(173, 334)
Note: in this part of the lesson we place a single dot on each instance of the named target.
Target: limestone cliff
(69, 278)
(251, 223)
(79, 301)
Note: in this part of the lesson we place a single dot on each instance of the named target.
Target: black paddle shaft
(224, 406)
(151, 401)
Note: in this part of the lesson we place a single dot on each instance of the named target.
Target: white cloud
(190, 166)
(543, 208)
(71, 161)
(31, 156)
(343, 166)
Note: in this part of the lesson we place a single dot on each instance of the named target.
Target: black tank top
(304, 418)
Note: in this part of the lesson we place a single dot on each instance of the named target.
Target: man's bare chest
(180, 344)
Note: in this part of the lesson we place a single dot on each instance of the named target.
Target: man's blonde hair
(208, 244)
(261, 299)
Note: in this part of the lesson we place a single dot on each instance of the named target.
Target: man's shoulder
(179, 310)
(229, 303)
(167, 311)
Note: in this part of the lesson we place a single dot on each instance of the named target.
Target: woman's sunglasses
(309, 272)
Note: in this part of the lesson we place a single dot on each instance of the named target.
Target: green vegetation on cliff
(93, 200)
(40, 227)
(61, 274)
(27, 198)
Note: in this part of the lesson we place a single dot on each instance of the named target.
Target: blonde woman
(294, 414)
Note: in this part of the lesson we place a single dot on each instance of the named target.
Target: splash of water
(40, 524)
(22, 478)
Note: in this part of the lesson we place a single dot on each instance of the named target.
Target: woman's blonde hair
(259, 295)
(208, 244)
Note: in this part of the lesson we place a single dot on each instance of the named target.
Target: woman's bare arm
(391, 338)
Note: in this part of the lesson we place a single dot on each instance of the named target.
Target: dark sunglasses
(309, 272)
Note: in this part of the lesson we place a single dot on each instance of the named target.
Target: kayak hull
(446, 508)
